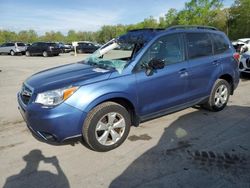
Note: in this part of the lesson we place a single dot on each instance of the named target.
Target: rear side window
(198, 45)
(10, 44)
(52, 44)
(20, 44)
(220, 44)
(83, 44)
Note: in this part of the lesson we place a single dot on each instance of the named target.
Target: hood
(63, 76)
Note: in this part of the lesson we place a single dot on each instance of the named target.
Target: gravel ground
(190, 148)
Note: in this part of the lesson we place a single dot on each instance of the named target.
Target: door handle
(215, 62)
(183, 73)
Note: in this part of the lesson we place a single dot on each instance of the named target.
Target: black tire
(27, 53)
(96, 115)
(12, 53)
(211, 103)
(45, 54)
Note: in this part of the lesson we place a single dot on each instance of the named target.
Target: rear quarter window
(199, 45)
(220, 43)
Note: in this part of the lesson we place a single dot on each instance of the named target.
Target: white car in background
(13, 48)
(242, 45)
(244, 66)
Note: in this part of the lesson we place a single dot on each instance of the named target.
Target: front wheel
(219, 96)
(106, 126)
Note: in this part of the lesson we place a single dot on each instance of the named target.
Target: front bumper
(55, 124)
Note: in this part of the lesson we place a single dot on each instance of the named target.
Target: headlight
(55, 97)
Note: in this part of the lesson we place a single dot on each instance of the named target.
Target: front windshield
(113, 55)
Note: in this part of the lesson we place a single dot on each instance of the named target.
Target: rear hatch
(53, 46)
(20, 46)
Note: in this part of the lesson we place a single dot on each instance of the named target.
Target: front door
(166, 87)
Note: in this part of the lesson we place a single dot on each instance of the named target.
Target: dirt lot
(190, 148)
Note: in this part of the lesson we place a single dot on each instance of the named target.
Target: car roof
(140, 35)
(244, 39)
(145, 35)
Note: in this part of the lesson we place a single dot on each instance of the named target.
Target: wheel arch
(123, 101)
(229, 79)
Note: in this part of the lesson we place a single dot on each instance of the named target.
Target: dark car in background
(43, 48)
(86, 47)
(13, 48)
(64, 48)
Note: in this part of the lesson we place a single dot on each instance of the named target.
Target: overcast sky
(87, 15)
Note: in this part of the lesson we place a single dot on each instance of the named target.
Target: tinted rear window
(199, 45)
(20, 44)
(220, 44)
(52, 44)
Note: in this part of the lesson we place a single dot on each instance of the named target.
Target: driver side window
(168, 49)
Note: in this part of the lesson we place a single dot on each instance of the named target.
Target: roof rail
(191, 27)
(147, 29)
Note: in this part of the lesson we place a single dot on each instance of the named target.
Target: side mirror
(153, 65)
(156, 64)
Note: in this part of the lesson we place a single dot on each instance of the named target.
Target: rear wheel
(12, 53)
(106, 126)
(219, 96)
(27, 53)
(45, 54)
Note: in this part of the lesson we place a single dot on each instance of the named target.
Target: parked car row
(46, 48)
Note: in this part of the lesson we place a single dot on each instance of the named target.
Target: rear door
(8, 47)
(33, 48)
(41, 47)
(203, 66)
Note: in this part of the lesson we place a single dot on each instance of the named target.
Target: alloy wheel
(110, 128)
(221, 95)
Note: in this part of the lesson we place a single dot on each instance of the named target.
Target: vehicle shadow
(199, 149)
(31, 177)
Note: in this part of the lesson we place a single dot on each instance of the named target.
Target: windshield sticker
(100, 70)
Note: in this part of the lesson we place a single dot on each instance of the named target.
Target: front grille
(25, 94)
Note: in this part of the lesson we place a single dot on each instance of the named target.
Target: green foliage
(239, 19)
(199, 12)
(235, 21)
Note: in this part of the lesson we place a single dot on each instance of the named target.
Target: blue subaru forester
(138, 76)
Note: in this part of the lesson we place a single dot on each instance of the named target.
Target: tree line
(234, 21)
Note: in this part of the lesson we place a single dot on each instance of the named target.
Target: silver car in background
(13, 48)
(244, 66)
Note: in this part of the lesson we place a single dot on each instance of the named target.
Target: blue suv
(138, 76)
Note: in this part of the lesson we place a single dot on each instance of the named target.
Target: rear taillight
(237, 56)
